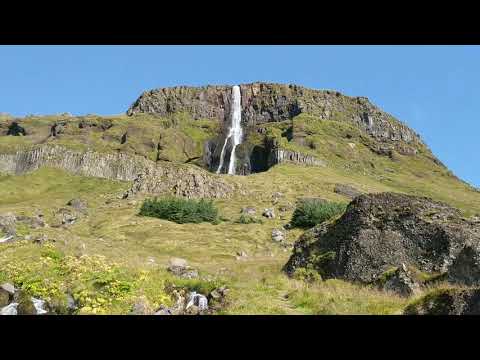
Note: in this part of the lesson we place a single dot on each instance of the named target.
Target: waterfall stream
(234, 131)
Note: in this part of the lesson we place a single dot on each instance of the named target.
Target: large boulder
(379, 232)
(447, 302)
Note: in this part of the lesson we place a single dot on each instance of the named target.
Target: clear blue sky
(433, 89)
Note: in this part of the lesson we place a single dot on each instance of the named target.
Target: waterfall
(234, 131)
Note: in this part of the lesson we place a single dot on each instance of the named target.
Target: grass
(180, 210)
(311, 212)
(248, 219)
(136, 248)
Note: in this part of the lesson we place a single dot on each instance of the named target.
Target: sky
(433, 89)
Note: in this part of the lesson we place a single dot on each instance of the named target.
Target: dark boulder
(16, 130)
(447, 302)
(379, 232)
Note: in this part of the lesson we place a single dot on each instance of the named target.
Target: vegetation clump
(311, 212)
(248, 219)
(180, 210)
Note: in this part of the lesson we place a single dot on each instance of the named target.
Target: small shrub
(180, 210)
(307, 275)
(247, 219)
(309, 213)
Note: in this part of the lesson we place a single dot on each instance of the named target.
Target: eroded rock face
(148, 176)
(383, 231)
(267, 102)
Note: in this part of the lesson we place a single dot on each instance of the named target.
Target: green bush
(247, 219)
(180, 210)
(309, 213)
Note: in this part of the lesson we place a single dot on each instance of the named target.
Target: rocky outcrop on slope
(266, 102)
(148, 176)
(447, 302)
(381, 232)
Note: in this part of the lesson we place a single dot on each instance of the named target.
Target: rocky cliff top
(269, 102)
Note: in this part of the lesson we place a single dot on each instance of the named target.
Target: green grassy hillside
(111, 257)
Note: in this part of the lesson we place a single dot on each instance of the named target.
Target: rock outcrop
(267, 102)
(148, 176)
(379, 232)
(447, 302)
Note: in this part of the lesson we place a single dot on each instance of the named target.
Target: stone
(278, 235)
(7, 226)
(164, 311)
(269, 213)
(78, 204)
(241, 255)
(16, 130)
(142, 307)
(9, 309)
(8, 288)
(465, 268)
(40, 239)
(248, 210)
(346, 190)
(71, 304)
(4, 298)
(179, 267)
(382, 231)
(453, 301)
(26, 305)
(401, 282)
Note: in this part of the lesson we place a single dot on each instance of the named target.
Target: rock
(248, 210)
(447, 302)
(278, 235)
(268, 102)
(8, 288)
(71, 304)
(16, 130)
(383, 231)
(400, 282)
(7, 226)
(197, 302)
(465, 268)
(9, 309)
(142, 307)
(65, 217)
(78, 204)
(179, 267)
(40, 239)
(241, 255)
(26, 305)
(4, 298)
(269, 213)
(164, 311)
(218, 294)
(346, 190)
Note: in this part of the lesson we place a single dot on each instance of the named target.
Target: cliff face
(148, 176)
(264, 102)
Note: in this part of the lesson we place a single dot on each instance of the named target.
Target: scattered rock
(6, 294)
(346, 190)
(249, 210)
(269, 213)
(78, 204)
(40, 239)
(65, 217)
(180, 268)
(7, 226)
(164, 311)
(278, 235)
(9, 288)
(4, 298)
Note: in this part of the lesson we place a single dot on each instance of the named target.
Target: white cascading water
(234, 132)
